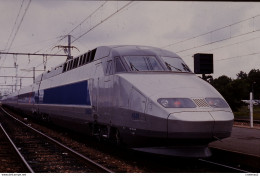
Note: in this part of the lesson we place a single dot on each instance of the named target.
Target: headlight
(176, 103)
(217, 103)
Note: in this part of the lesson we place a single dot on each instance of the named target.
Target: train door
(36, 90)
(95, 88)
(137, 105)
(92, 94)
(34, 98)
(107, 91)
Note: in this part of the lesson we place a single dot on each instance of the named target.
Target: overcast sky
(159, 24)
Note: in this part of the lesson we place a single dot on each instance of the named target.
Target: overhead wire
(19, 25)
(102, 21)
(64, 36)
(35, 43)
(231, 37)
(89, 16)
(216, 41)
(228, 58)
(167, 45)
(210, 31)
(111, 15)
(224, 46)
(17, 29)
(19, 11)
(14, 25)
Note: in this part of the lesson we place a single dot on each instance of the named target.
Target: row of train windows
(81, 60)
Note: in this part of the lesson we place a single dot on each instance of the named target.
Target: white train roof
(114, 50)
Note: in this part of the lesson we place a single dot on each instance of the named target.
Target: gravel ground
(102, 152)
(120, 159)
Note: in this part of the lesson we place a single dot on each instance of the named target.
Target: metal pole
(251, 109)
(69, 46)
(204, 77)
(33, 74)
(16, 75)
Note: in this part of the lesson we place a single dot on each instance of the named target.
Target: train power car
(144, 97)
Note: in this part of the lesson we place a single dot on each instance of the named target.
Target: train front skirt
(182, 151)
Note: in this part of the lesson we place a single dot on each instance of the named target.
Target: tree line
(235, 90)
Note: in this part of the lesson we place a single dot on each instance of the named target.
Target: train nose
(223, 123)
(191, 125)
(200, 125)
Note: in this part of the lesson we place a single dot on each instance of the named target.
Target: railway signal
(203, 64)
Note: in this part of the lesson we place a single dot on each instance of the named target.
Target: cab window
(143, 63)
(109, 69)
(175, 64)
(119, 65)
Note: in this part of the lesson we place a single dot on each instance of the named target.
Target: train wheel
(117, 137)
(95, 130)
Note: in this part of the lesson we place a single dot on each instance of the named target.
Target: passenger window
(64, 67)
(109, 70)
(70, 66)
(73, 64)
(77, 62)
(92, 54)
(119, 66)
(85, 58)
(80, 60)
(88, 57)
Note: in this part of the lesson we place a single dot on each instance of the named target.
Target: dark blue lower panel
(73, 94)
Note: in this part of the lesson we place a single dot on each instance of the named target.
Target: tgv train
(144, 97)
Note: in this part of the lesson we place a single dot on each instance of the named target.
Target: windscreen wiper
(133, 67)
(170, 66)
(185, 67)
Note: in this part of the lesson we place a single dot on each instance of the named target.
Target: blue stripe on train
(71, 94)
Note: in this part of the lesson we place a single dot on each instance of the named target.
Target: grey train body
(144, 97)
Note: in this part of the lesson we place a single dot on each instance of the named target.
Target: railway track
(191, 165)
(247, 121)
(44, 154)
(10, 157)
(224, 166)
(235, 160)
(129, 161)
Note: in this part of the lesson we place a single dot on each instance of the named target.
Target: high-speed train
(144, 97)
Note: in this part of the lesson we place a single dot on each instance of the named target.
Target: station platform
(243, 140)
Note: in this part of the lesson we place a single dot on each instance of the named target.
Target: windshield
(175, 64)
(143, 63)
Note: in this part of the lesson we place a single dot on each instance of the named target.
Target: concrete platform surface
(242, 140)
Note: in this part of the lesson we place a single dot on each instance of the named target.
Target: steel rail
(223, 165)
(61, 145)
(246, 120)
(17, 151)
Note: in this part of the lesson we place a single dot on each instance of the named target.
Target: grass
(243, 113)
